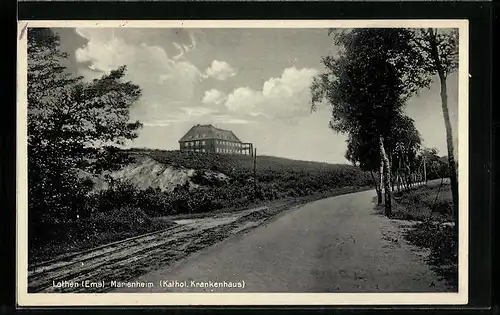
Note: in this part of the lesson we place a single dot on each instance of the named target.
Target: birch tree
(367, 84)
(439, 48)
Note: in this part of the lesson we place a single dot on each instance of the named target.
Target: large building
(209, 139)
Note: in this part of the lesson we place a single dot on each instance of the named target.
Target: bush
(117, 221)
(97, 229)
(442, 240)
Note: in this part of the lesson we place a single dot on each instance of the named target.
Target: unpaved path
(123, 260)
(337, 244)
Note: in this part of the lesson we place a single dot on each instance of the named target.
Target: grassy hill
(153, 185)
(171, 182)
(276, 177)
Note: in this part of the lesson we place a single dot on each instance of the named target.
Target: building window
(186, 144)
(190, 144)
(203, 142)
(202, 150)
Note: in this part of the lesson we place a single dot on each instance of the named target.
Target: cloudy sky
(254, 82)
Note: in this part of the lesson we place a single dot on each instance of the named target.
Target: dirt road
(337, 244)
(129, 258)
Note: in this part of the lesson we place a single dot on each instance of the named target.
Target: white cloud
(182, 49)
(167, 84)
(227, 119)
(171, 102)
(214, 96)
(193, 112)
(284, 97)
(220, 70)
(244, 100)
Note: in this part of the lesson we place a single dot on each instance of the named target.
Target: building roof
(206, 132)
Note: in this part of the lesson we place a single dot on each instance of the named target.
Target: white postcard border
(144, 299)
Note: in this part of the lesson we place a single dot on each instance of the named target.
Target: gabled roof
(206, 132)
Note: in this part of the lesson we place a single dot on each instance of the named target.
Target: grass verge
(431, 207)
(425, 203)
(442, 240)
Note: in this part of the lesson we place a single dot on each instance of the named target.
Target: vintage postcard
(262, 162)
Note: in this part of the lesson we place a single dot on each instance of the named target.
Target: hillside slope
(172, 182)
(144, 193)
(145, 172)
(269, 169)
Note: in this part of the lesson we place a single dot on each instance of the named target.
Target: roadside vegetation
(431, 209)
(367, 84)
(431, 206)
(123, 210)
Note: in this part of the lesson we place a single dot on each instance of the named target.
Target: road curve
(338, 244)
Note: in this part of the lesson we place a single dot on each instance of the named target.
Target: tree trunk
(377, 189)
(392, 175)
(449, 142)
(381, 177)
(386, 179)
(447, 122)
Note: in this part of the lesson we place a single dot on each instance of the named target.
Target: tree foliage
(440, 50)
(376, 71)
(403, 143)
(436, 166)
(367, 85)
(441, 58)
(70, 124)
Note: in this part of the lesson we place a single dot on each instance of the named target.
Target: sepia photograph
(292, 162)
